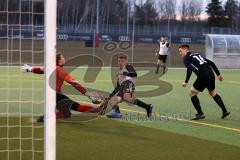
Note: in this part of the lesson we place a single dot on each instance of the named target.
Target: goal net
(22, 95)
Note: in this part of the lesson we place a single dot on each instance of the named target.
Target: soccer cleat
(199, 116)
(40, 119)
(114, 115)
(225, 114)
(149, 111)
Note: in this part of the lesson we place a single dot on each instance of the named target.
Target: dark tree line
(119, 12)
(223, 16)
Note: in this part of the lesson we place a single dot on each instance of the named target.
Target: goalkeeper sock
(196, 104)
(85, 108)
(220, 103)
(82, 108)
(141, 104)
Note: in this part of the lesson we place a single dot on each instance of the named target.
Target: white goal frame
(50, 18)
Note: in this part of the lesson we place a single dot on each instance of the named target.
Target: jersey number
(200, 59)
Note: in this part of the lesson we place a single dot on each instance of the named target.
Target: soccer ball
(96, 98)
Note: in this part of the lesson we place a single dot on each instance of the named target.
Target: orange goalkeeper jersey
(61, 76)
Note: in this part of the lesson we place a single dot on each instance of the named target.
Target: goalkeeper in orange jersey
(63, 103)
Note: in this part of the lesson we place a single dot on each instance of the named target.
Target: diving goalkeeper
(63, 103)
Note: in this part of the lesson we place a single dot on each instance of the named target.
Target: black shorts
(63, 101)
(162, 58)
(201, 83)
(126, 87)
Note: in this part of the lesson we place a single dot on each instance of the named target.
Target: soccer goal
(224, 50)
(24, 97)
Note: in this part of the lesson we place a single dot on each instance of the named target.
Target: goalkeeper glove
(26, 68)
(94, 97)
(88, 94)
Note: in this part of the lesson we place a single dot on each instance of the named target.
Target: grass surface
(109, 139)
(127, 138)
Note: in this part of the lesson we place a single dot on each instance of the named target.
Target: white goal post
(25, 96)
(50, 11)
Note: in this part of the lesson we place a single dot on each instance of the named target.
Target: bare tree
(196, 9)
(167, 9)
(191, 10)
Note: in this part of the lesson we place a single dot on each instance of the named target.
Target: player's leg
(144, 105)
(217, 98)
(62, 105)
(164, 59)
(158, 64)
(115, 113)
(65, 104)
(114, 103)
(196, 88)
(128, 96)
(115, 100)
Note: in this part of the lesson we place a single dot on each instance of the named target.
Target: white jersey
(163, 48)
(129, 74)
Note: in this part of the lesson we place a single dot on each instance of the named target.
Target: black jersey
(201, 66)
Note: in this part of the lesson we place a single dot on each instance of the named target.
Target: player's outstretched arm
(77, 86)
(220, 77)
(213, 66)
(188, 75)
(94, 98)
(184, 84)
(27, 68)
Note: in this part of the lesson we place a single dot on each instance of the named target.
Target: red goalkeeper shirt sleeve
(38, 70)
(64, 76)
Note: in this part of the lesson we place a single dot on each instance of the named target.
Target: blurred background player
(63, 103)
(164, 48)
(124, 90)
(203, 68)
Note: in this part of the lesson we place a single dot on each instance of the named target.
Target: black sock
(116, 108)
(158, 65)
(164, 67)
(141, 104)
(196, 104)
(74, 106)
(220, 103)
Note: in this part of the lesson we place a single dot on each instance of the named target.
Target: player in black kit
(203, 68)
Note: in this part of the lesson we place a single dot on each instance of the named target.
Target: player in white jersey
(164, 47)
(124, 90)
